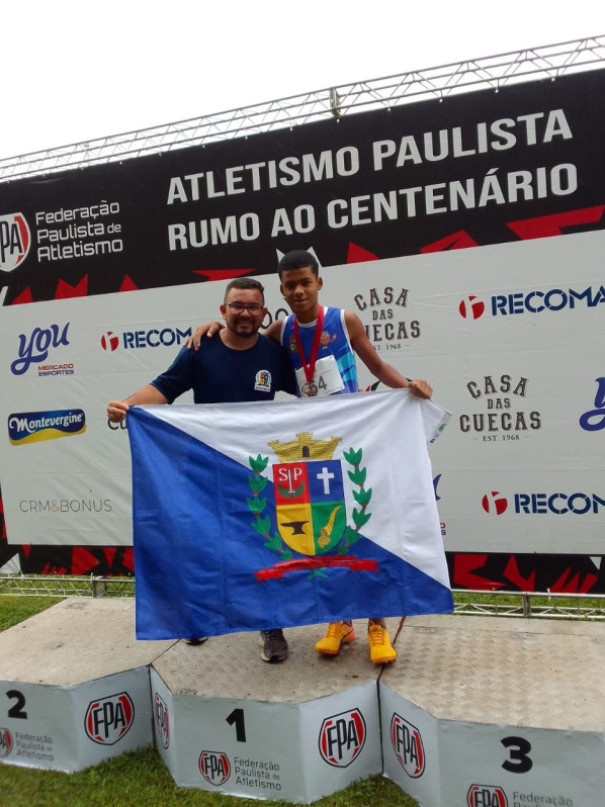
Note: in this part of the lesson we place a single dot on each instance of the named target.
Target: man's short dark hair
(298, 259)
(245, 283)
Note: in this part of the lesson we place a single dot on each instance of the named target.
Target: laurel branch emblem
(263, 524)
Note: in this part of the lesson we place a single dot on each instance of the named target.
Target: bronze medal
(309, 390)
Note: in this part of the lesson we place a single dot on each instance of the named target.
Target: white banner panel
(510, 336)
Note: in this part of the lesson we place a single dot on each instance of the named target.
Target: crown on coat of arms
(305, 448)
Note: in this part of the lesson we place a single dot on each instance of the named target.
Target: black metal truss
(544, 62)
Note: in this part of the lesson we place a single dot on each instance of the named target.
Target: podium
(299, 730)
(476, 711)
(496, 712)
(74, 686)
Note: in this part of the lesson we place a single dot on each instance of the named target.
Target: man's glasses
(238, 308)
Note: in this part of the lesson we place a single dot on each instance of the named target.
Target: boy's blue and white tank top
(335, 370)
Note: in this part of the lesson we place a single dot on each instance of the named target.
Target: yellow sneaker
(381, 649)
(338, 633)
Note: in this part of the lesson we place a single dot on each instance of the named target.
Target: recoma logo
(533, 302)
(15, 240)
(471, 307)
(33, 349)
(557, 504)
(167, 336)
(494, 503)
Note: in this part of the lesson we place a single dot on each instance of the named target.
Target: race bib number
(327, 379)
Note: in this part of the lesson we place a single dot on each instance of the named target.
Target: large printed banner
(509, 332)
(253, 516)
(516, 356)
(482, 168)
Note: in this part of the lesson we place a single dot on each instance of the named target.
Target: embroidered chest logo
(262, 382)
(325, 339)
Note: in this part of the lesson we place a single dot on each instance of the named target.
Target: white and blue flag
(249, 516)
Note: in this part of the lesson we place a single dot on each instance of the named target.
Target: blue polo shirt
(219, 374)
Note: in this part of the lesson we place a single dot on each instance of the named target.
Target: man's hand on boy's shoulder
(273, 331)
(208, 329)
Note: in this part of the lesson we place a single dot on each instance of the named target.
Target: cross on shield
(309, 504)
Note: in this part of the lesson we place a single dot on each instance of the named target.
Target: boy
(322, 343)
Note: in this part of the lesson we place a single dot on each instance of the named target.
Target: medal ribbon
(310, 367)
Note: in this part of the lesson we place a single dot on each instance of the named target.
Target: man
(322, 343)
(241, 365)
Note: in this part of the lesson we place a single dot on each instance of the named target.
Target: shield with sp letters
(309, 504)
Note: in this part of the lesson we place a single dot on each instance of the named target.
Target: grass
(15, 609)
(140, 779)
(558, 606)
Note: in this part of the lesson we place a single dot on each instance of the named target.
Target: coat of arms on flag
(283, 513)
(310, 508)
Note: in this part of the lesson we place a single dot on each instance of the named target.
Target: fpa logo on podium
(6, 742)
(342, 737)
(215, 767)
(162, 720)
(108, 719)
(486, 796)
(407, 745)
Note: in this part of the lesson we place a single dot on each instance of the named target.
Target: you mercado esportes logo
(310, 510)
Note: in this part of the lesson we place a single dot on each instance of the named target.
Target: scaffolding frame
(475, 602)
(491, 72)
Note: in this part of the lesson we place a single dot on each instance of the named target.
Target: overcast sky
(74, 71)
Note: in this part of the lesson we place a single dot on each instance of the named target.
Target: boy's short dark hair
(298, 259)
(245, 283)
